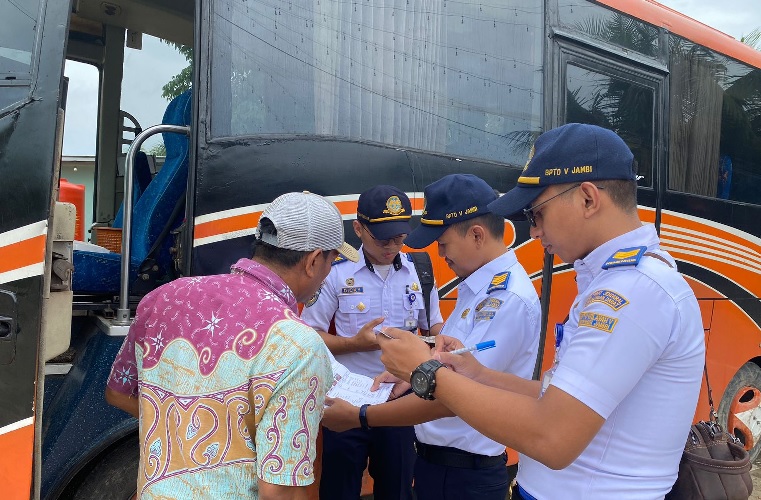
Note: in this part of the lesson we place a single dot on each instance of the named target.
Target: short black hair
(623, 193)
(493, 223)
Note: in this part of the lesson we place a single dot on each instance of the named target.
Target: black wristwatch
(423, 379)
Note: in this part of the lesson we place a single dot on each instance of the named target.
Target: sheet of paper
(355, 388)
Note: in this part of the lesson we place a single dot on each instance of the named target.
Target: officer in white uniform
(610, 418)
(382, 289)
(495, 302)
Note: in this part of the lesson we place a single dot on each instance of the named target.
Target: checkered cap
(306, 222)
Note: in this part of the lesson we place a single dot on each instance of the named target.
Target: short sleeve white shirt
(510, 317)
(356, 295)
(632, 350)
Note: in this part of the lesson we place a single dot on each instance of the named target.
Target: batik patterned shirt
(231, 385)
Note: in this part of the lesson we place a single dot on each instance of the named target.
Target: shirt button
(352, 307)
(385, 313)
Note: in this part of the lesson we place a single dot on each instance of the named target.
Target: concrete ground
(755, 473)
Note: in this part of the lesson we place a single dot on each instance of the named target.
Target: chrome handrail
(122, 314)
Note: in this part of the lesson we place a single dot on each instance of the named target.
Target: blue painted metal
(78, 424)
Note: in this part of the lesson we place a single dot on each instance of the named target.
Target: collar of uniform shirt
(397, 261)
(482, 276)
(592, 263)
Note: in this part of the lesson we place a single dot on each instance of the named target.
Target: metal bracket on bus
(122, 314)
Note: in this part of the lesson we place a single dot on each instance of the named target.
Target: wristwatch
(423, 379)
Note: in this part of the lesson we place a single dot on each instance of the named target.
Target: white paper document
(355, 388)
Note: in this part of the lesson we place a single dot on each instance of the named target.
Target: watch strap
(363, 417)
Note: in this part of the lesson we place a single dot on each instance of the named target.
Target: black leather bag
(714, 464)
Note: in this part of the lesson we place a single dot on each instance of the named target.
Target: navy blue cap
(571, 153)
(449, 200)
(385, 211)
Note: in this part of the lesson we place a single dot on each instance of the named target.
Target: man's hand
(400, 386)
(365, 339)
(403, 352)
(340, 415)
(464, 364)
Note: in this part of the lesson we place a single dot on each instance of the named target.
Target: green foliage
(157, 150)
(184, 79)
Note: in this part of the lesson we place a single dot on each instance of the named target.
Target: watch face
(419, 382)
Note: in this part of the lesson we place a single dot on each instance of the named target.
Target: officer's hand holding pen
(465, 364)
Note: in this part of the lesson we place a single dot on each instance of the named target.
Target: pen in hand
(481, 346)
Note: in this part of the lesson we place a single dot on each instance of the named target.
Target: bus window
(460, 78)
(609, 26)
(615, 103)
(715, 141)
(16, 49)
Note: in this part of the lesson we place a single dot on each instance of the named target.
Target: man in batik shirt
(227, 381)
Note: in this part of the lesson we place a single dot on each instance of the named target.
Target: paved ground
(755, 473)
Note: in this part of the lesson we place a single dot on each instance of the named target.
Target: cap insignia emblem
(394, 206)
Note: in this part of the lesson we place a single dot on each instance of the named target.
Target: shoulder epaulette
(339, 259)
(409, 257)
(499, 282)
(625, 257)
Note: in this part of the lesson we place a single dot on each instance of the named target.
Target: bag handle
(713, 416)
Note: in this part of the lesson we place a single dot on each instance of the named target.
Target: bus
(334, 96)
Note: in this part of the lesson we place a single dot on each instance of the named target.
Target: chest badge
(415, 287)
(349, 281)
(361, 306)
(465, 313)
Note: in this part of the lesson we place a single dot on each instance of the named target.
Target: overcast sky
(147, 70)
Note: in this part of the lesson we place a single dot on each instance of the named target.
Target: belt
(520, 494)
(455, 457)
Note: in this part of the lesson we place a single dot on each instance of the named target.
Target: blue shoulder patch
(409, 257)
(625, 257)
(499, 282)
(339, 259)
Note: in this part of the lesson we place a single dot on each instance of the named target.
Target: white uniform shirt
(633, 351)
(508, 316)
(356, 295)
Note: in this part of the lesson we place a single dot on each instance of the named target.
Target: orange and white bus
(334, 97)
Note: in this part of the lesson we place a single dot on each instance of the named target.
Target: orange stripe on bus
(242, 222)
(16, 463)
(22, 254)
(226, 225)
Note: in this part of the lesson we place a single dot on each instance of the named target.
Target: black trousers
(345, 455)
(440, 482)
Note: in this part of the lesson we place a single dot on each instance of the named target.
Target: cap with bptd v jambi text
(305, 222)
(571, 153)
(449, 200)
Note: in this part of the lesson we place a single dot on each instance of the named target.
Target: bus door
(32, 44)
(626, 94)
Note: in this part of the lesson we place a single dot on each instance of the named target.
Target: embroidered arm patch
(607, 297)
(598, 321)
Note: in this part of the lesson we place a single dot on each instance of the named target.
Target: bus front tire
(740, 408)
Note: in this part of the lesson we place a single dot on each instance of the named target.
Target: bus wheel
(740, 408)
(114, 477)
